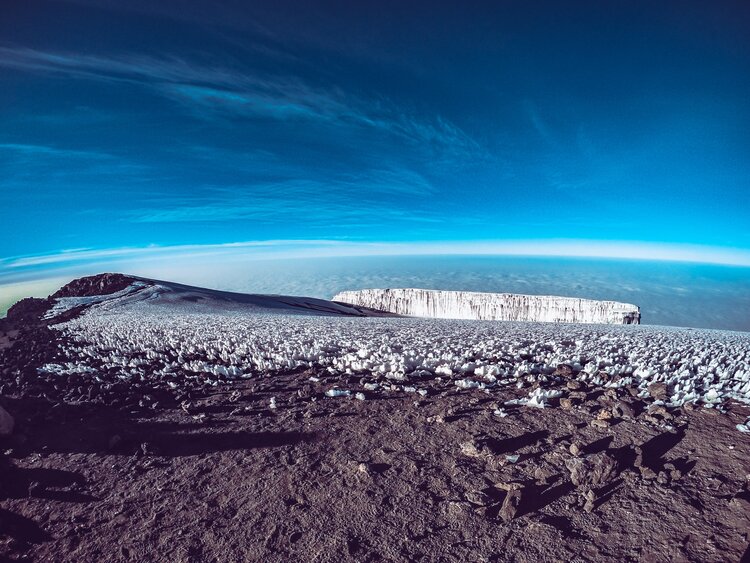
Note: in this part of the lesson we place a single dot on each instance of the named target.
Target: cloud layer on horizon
(676, 293)
(86, 261)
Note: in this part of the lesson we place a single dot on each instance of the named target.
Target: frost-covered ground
(405, 354)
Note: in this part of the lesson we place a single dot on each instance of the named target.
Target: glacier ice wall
(492, 306)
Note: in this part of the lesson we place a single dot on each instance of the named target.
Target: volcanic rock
(101, 284)
(658, 391)
(28, 310)
(593, 470)
(564, 370)
(509, 509)
(566, 403)
(623, 410)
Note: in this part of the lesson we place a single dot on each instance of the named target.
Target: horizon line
(274, 249)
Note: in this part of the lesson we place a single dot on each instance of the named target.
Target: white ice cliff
(491, 306)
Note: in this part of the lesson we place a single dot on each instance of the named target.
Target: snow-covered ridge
(492, 306)
(148, 295)
(64, 304)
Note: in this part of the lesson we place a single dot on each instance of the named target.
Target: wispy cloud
(292, 100)
(277, 101)
(539, 124)
(35, 151)
(133, 68)
(29, 164)
(91, 255)
(213, 90)
(277, 249)
(343, 198)
(326, 214)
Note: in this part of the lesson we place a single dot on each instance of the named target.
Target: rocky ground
(272, 469)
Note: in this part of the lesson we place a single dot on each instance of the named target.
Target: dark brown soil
(96, 474)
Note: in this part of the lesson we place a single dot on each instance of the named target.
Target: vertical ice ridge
(492, 306)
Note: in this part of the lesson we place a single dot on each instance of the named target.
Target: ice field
(151, 332)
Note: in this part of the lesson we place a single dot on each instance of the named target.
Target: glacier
(491, 306)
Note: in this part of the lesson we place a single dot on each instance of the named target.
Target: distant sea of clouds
(669, 293)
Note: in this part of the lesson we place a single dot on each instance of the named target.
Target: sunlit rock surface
(492, 306)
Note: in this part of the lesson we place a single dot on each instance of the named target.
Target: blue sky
(149, 129)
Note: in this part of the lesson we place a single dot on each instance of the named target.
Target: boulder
(510, 505)
(564, 370)
(593, 471)
(658, 391)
